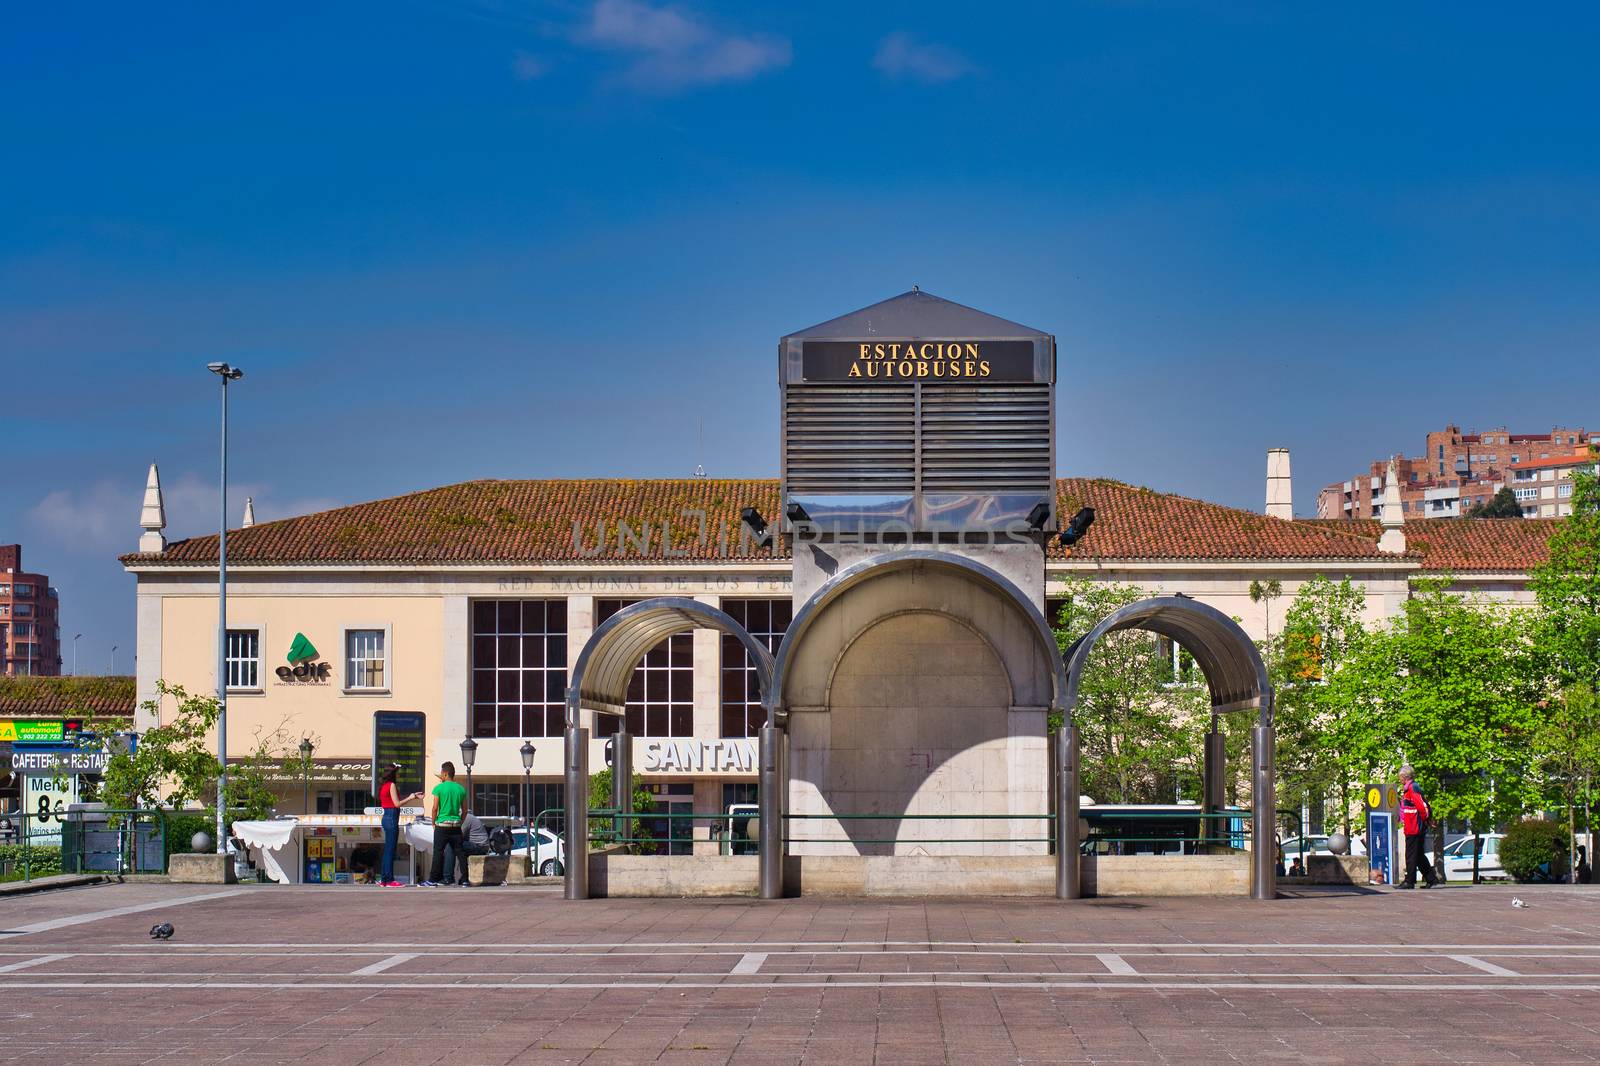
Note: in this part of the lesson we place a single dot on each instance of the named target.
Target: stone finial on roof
(153, 516)
(1280, 490)
(249, 513)
(1393, 518)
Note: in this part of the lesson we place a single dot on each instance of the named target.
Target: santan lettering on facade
(699, 756)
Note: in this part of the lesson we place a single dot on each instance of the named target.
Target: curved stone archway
(918, 683)
(1237, 679)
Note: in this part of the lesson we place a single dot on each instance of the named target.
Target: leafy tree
(1567, 746)
(1447, 686)
(1265, 592)
(172, 765)
(1139, 727)
(1502, 504)
(1322, 634)
(643, 802)
(1567, 587)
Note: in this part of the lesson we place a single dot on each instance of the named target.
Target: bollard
(1213, 798)
(774, 782)
(1068, 884)
(1263, 800)
(576, 833)
(621, 781)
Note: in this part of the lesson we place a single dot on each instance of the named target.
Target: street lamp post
(527, 796)
(469, 755)
(306, 748)
(226, 373)
(113, 660)
(75, 637)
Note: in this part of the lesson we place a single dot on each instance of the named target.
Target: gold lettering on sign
(926, 359)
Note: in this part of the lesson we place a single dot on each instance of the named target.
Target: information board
(398, 737)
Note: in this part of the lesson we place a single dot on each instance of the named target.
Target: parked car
(1458, 858)
(549, 853)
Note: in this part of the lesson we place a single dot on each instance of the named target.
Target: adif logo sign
(699, 756)
(301, 667)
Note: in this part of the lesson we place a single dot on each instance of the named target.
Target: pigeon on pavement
(163, 931)
(1515, 902)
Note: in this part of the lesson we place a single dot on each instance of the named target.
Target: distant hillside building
(30, 630)
(1458, 470)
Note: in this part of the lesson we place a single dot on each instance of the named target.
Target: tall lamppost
(306, 748)
(469, 754)
(527, 795)
(75, 637)
(226, 373)
(113, 660)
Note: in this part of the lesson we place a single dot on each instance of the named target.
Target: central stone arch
(918, 682)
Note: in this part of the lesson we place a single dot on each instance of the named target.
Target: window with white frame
(1565, 490)
(244, 658)
(365, 659)
(1527, 494)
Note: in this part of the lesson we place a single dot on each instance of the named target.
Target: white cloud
(527, 67)
(673, 49)
(104, 517)
(902, 56)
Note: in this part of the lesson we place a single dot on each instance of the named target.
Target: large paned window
(244, 658)
(519, 668)
(767, 620)
(661, 694)
(366, 657)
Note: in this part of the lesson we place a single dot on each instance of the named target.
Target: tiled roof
(532, 522)
(1464, 544)
(1574, 458)
(67, 696)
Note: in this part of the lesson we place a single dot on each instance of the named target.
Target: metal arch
(868, 569)
(605, 666)
(1227, 656)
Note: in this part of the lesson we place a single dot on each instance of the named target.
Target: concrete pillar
(774, 784)
(576, 834)
(1068, 885)
(622, 780)
(1263, 801)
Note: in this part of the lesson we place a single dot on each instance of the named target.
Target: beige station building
(468, 604)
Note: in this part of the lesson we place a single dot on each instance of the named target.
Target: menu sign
(398, 737)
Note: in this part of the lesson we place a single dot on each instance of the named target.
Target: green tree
(643, 802)
(1448, 686)
(1322, 633)
(171, 766)
(1567, 587)
(1139, 726)
(1502, 504)
(1567, 746)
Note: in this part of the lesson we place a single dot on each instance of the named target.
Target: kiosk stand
(1386, 845)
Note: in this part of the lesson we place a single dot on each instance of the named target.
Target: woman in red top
(389, 799)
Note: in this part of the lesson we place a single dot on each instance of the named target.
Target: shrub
(181, 829)
(45, 861)
(1532, 843)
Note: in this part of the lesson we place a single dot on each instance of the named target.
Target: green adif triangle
(301, 650)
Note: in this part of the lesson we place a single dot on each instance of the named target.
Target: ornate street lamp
(469, 755)
(306, 748)
(527, 796)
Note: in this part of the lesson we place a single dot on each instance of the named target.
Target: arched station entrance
(1237, 680)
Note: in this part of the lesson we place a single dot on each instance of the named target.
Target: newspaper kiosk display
(1385, 840)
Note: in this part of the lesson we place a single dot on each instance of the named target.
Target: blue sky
(451, 239)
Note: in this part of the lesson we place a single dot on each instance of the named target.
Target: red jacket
(1413, 810)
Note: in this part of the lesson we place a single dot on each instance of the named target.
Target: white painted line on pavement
(382, 965)
(1091, 985)
(1117, 964)
(751, 963)
(737, 947)
(116, 912)
(40, 961)
(1486, 967)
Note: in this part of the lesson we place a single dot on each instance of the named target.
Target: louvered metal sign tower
(918, 419)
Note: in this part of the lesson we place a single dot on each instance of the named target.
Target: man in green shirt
(445, 806)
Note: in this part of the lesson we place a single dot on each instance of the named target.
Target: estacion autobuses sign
(917, 360)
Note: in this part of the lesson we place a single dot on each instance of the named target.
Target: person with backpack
(1414, 820)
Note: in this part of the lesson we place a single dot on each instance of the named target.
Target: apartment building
(1543, 485)
(30, 629)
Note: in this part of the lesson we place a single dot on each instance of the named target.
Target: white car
(1458, 858)
(549, 853)
(1317, 844)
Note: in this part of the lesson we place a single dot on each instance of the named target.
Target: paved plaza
(512, 975)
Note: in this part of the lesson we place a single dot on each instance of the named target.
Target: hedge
(1531, 843)
(45, 861)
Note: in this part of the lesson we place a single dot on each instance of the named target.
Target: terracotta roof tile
(67, 696)
(532, 522)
